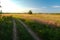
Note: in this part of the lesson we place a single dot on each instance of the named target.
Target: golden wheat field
(44, 18)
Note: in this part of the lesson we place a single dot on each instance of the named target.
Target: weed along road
(30, 31)
(16, 28)
(11, 29)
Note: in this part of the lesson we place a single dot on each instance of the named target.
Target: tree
(0, 9)
(30, 12)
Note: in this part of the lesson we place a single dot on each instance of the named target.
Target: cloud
(56, 6)
(22, 9)
(9, 6)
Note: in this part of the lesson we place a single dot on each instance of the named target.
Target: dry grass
(45, 18)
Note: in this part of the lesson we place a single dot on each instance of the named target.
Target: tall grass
(44, 31)
(22, 32)
(6, 26)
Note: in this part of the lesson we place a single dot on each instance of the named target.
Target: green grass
(44, 31)
(6, 26)
(22, 32)
(6, 30)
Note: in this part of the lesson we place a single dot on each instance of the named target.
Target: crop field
(53, 19)
(29, 27)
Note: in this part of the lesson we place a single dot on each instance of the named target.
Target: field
(43, 26)
(44, 18)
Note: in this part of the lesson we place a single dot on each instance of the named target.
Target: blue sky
(45, 6)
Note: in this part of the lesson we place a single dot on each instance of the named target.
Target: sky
(37, 6)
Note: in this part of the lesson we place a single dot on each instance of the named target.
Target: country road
(30, 31)
(14, 31)
(26, 27)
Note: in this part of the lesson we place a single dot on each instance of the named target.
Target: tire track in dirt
(29, 30)
(14, 31)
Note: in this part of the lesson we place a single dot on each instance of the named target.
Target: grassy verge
(6, 28)
(44, 31)
(22, 32)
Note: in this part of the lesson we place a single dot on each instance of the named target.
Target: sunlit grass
(44, 31)
(45, 18)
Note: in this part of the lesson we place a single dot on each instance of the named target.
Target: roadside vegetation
(22, 33)
(46, 26)
(44, 31)
(6, 28)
